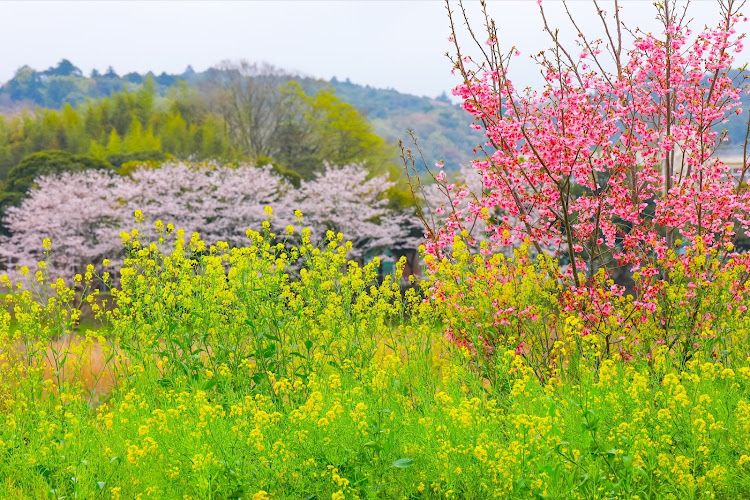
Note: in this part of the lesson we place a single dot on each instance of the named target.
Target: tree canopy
(251, 117)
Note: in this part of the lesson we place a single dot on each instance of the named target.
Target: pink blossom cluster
(611, 168)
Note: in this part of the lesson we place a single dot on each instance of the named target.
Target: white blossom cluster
(84, 213)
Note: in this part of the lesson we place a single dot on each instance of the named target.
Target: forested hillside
(441, 126)
(258, 120)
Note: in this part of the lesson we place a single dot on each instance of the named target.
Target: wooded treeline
(441, 126)
(247, 114)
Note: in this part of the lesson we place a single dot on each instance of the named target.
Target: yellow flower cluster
(281, 371)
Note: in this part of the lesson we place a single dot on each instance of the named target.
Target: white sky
(396, 44)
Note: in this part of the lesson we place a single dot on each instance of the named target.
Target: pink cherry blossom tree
(84, 213)
(611, 165)
(218, 202)
(77, 211)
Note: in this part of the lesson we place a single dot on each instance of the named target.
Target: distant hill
(65, 83)
(442, 127)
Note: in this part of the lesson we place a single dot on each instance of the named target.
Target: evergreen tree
(114, 144)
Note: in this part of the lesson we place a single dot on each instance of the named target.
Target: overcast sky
(388, 44)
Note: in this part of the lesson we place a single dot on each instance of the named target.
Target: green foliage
(440, 125)
(290, 175)
(136, 139)
(153, 155)
(12, 199)
(320, 127)
(310, 129)
(310, 126)
(400, 195)
(26, 85)
(114, 143)
(127, 123)
(21, 177)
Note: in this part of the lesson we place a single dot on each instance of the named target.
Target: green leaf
(43, 470)
(374, 445)
(520, 484)
(552, 410)
(272, 337)
(403, 463)
(164, 382)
